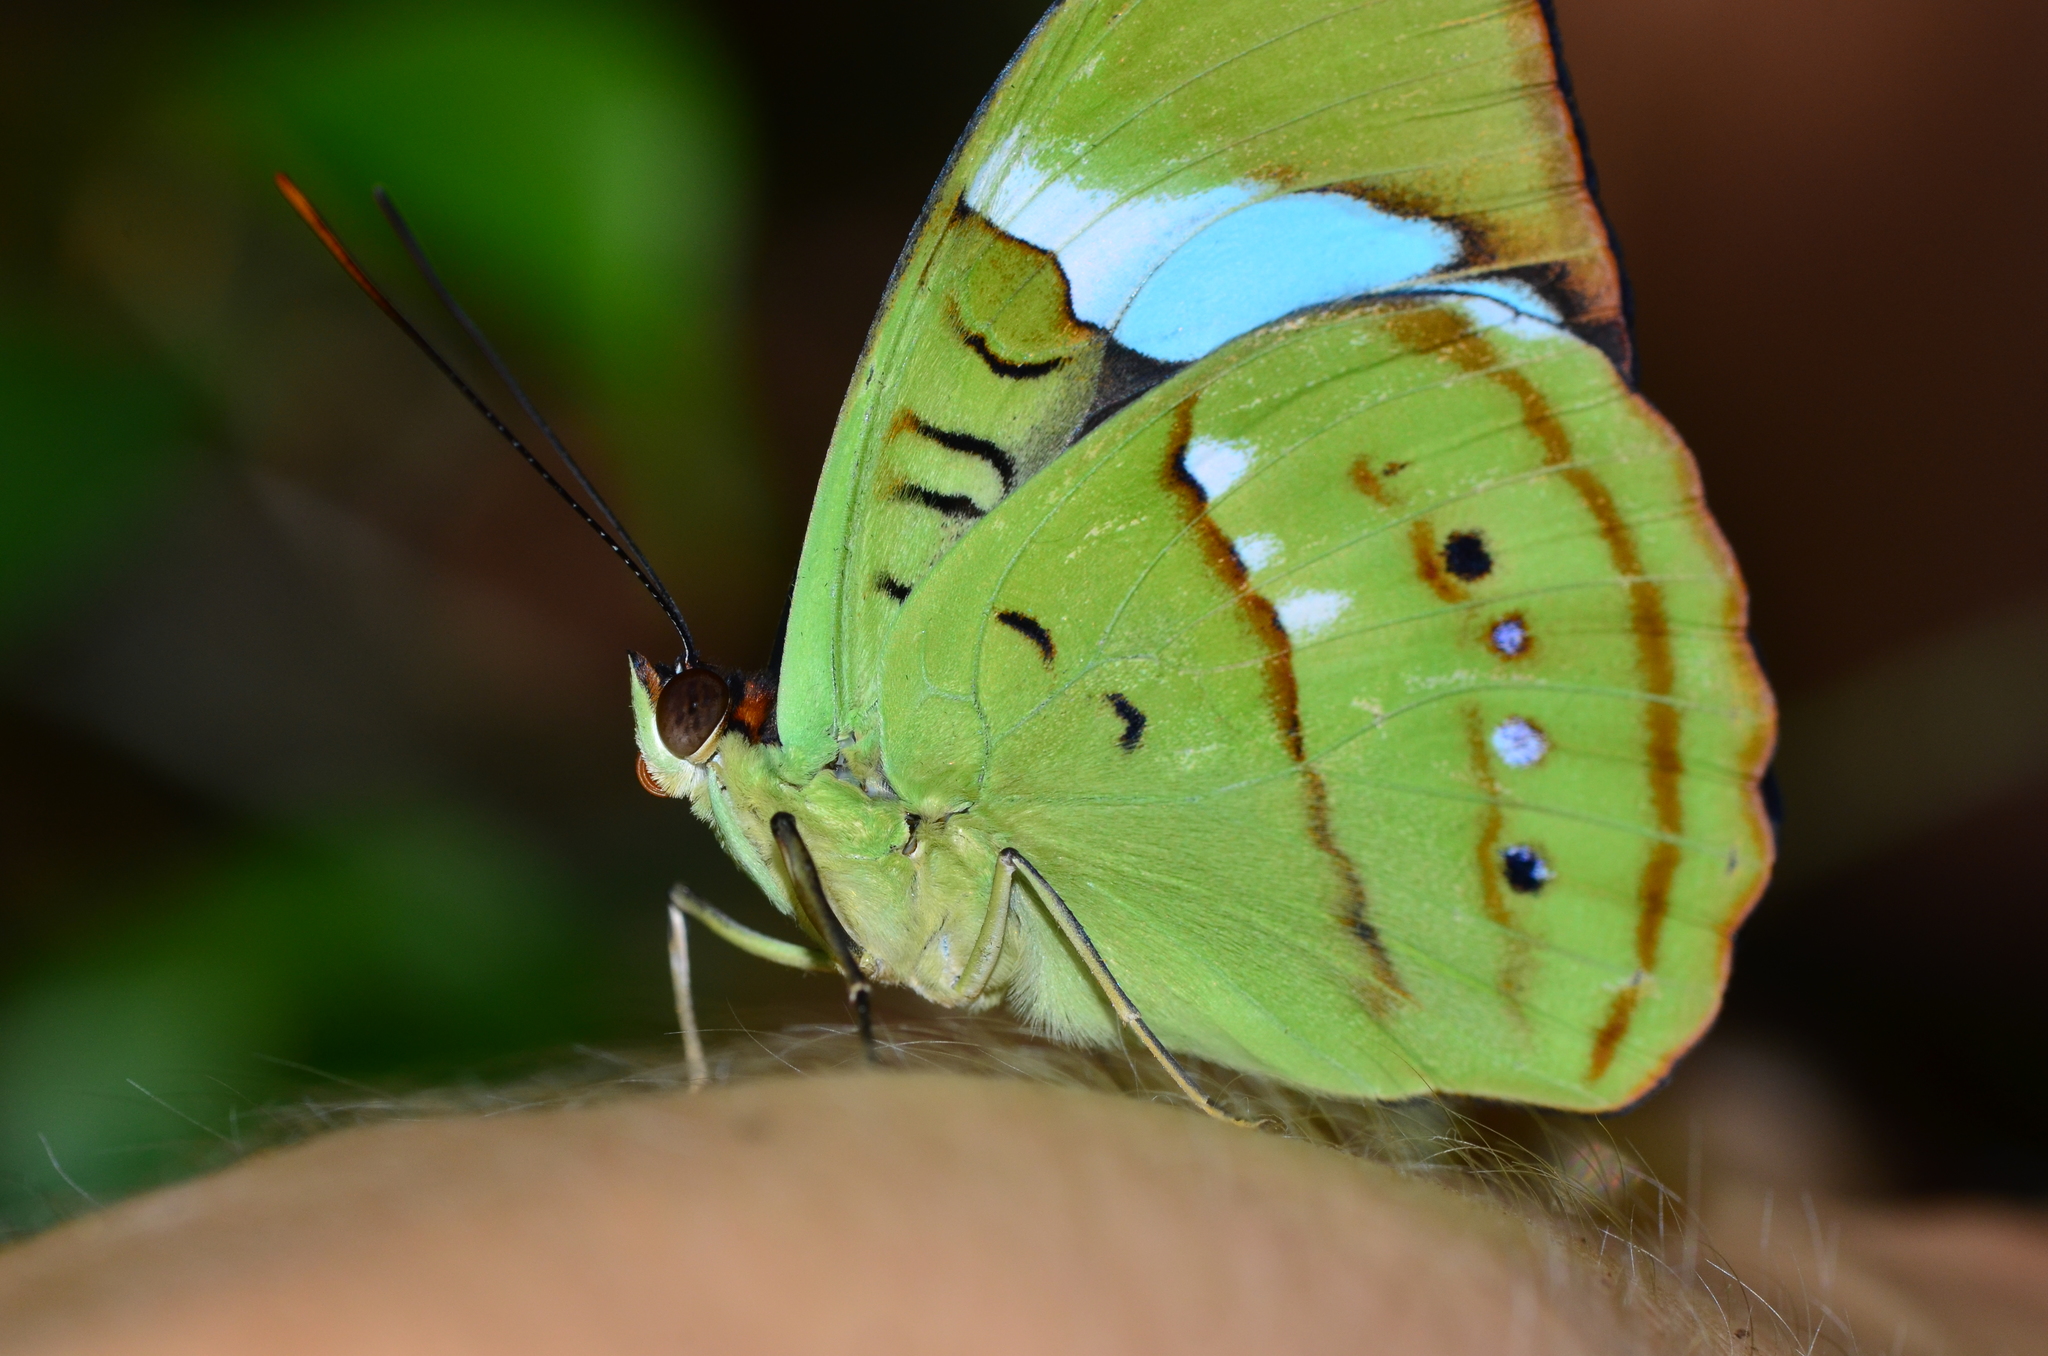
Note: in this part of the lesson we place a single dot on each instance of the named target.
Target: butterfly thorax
(910, 881)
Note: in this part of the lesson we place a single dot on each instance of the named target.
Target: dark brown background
(1828, 214)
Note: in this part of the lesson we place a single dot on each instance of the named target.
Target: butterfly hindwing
(1376, 694)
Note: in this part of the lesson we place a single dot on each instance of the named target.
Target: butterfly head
(680, 715)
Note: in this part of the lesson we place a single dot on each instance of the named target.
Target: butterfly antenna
(498, 365)
(614, 536)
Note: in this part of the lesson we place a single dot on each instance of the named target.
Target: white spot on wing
(1257, 550)
(1303, 615)
(1511, 293)
(1511, 307)
(1216, 465)
(1510, 636)
(1518, 742)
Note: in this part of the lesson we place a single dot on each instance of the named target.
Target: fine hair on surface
(1582, 1198)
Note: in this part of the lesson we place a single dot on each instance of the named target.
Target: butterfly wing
(1376, 693)
(1151, 179)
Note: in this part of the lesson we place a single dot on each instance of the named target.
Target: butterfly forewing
(1150, 181)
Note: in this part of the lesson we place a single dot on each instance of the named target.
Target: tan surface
(844, 1214)
(1939, 1280)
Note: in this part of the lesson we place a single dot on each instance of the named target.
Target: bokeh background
(315, 774)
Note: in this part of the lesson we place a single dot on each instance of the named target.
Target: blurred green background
(312, 702)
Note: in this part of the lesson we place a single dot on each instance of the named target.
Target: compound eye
(691, 711)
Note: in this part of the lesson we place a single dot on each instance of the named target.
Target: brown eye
(691, 712)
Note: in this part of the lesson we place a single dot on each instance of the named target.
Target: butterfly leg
(1012, 861)
(809, 894)
(995, 927)
(686, 1005)
(794, 955)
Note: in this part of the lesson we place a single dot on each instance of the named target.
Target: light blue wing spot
(1254, 265)
(1519, 743)
(1110, 263)
(1178, 275)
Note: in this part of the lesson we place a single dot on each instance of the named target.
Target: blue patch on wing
(1251, 266)
(1175, 276)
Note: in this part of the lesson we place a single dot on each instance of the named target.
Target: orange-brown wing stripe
(1439, 330)
(1283, 695)
(1608, 1038)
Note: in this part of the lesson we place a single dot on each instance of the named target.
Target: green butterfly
(1246, 602)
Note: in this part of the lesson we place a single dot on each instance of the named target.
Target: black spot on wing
(1029, 628)
(1133, 718)
(1003, 367)
(1466, 556)
(952, 505)
(1370, 935)
(1125, 375)
(891, 585)
(972, 446)
(1525, 869)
